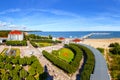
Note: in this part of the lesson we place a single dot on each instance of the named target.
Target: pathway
(100, 70)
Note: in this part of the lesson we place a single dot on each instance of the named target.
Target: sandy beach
(102, 43)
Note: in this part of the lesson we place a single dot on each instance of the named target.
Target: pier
(88, 35)
(91, 34)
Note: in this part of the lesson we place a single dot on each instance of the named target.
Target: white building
(15, 35)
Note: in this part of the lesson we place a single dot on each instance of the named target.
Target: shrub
(30, 77)
(23, 73)
(115, 50)
(114, 44)
(16, 43)
(33, 44)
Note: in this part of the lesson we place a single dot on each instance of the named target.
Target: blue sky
(60, 15)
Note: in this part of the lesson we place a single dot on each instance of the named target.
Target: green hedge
(78, 55)
(33, 44)
(16, 43)
(89, 63)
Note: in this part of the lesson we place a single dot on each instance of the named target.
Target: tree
(15, 77)
(8, 66)
(14, 61)
(50, 37)
(17, 67)
(114, 45)
(1, 65)
(1, 58)
(28, 60)
(32, 71)
(23, 73)
(7, 59)
(115, 50)
(30, 77)
(22, 61)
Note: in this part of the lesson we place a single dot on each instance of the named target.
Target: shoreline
(102, 43)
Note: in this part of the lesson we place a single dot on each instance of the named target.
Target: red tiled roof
(76, 40)
(61, 38)
(15, 32)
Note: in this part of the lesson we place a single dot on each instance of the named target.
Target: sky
(60, 15)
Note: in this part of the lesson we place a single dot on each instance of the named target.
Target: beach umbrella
(76, 40)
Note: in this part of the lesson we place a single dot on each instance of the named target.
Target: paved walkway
(1, 48)
(100, 70)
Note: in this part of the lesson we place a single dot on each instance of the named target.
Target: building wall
(15, 37)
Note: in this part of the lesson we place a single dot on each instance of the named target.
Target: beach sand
(101, 43)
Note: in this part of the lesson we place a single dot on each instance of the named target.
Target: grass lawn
(66, 54)
(40, 44)
(17, 53)
(114, 66)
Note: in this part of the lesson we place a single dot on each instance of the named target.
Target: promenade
(100, 69)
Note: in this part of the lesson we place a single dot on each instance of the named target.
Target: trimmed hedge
(16, 43)
(33, 44)
(89, 64)
(78, 54)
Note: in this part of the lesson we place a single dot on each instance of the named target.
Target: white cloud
(55, 12)
(5, 25)
(10, 11)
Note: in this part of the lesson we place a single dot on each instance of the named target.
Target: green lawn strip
(44, 44)
(114, 66)
(66, 54)
(101, 50)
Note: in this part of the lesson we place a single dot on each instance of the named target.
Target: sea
(80, 34)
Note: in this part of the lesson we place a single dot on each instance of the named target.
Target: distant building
(15, 35)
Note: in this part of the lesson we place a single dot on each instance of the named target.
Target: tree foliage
(115, 48)
(12, 68)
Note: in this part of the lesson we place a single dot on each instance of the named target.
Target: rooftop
(15, 32)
